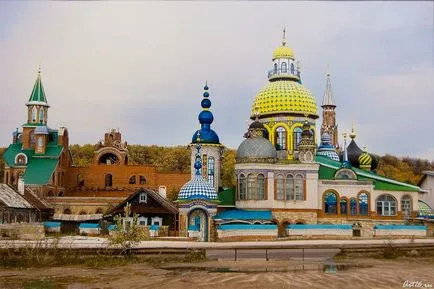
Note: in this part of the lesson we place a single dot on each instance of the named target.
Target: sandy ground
(372, 274)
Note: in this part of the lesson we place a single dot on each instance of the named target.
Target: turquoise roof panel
(39, 171)
(244, 215)
(320, 226)
(247, 227)
(399, 227)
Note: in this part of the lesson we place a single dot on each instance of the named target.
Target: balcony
(285, 73)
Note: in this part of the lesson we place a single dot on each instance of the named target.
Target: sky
(140, 67)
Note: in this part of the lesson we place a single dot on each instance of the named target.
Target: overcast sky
(141, 66)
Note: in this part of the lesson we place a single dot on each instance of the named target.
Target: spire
(353, 132)
(328, 95)
(345, 163)
(205, 119)
(38, 94)
(284, 37)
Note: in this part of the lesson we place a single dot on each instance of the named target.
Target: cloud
(141, 66)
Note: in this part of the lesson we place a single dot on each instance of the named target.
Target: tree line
(177, 159)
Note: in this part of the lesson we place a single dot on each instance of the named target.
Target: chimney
(162, 191)
(21, 185)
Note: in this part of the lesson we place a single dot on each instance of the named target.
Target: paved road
(273, 254)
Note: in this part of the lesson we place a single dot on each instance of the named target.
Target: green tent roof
(329, 167)
(39, 171)
(38, 93)
(227, 197)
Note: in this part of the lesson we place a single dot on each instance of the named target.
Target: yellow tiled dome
(283, 52)
(284, 96)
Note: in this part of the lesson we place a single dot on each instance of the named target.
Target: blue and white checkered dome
(327, 149)
(197, 188)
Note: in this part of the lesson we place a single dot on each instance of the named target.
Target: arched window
(40, 142)
(386, 205)
(108, 180)
(299, 187)
(363, 204)
(211, 163)
(344, 206)
(330, 203)
(260, 184)
(251, 189)
(284, 67)
(132, 180)
(280, 187)
(406, 206)
(290, 187)
(280, 138)
(41, 115)
(275, 67)
(142, 180)
(353, 206)
(32, 137)
(21, 159)
(34, 114)
(292, 68)
(297, 137)
(242, 187)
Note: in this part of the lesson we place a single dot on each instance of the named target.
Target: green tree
(228, 164)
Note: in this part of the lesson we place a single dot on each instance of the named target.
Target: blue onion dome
(207, 135)
(326, 148)
(197, 188)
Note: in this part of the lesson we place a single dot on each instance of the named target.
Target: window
(158, 221)
(67, 211)
(386, 205)
(32, 137)
(406, 206)
(299, 187)
(108, 180)
(251, 189)
(40, 143)
(345, 174)
(21, 159)
(290, 187)
(275, 67)
(353, 206)
(280, 188)
(143, 221)
(284, 67)
(34, 112)
(132, 180)
(297, 137)
(292, 68)
(363, 204)
(143, 198)
(242, 187)
(344, 207)
(142, 180)
(211, 162)
(41, 115)
(280, 138)
(261, 187)
(330, 203)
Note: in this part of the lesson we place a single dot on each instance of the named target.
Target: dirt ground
(353, 274)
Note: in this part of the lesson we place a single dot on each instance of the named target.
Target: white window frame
(142, 219)
(154, 220)
(143, 198)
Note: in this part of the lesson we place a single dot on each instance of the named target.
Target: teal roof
(244, 215)
(247, 227)
(12, 151)
(39, 171)
(38, 93)
(329, 167)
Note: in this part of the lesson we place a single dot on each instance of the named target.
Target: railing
(283, 73)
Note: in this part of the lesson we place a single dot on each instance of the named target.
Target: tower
(211, 149)
(329, 125)
(37, 115)
(284, 104)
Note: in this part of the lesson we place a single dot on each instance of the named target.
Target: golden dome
(283, 51)
(284, 96)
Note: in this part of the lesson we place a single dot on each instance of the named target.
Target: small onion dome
(284, 97)
(256, 149)
(206, 136)
(306, 142)
(197, 189)
(283, 51)
(41, 130)
(326, 148)
(365, 161)
(354, 152)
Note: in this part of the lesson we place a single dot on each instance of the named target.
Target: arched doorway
(198, 219)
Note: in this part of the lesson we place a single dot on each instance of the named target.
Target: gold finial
(198, 136)
(284, 37)
(353, 132)
(328, 70)
(39, 69)
(256, 113)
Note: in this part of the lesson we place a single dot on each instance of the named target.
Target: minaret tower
(37, 112)
(328, 114)
(211, 149)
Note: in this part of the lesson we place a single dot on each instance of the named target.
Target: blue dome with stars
(327, 149)
(207, 135)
